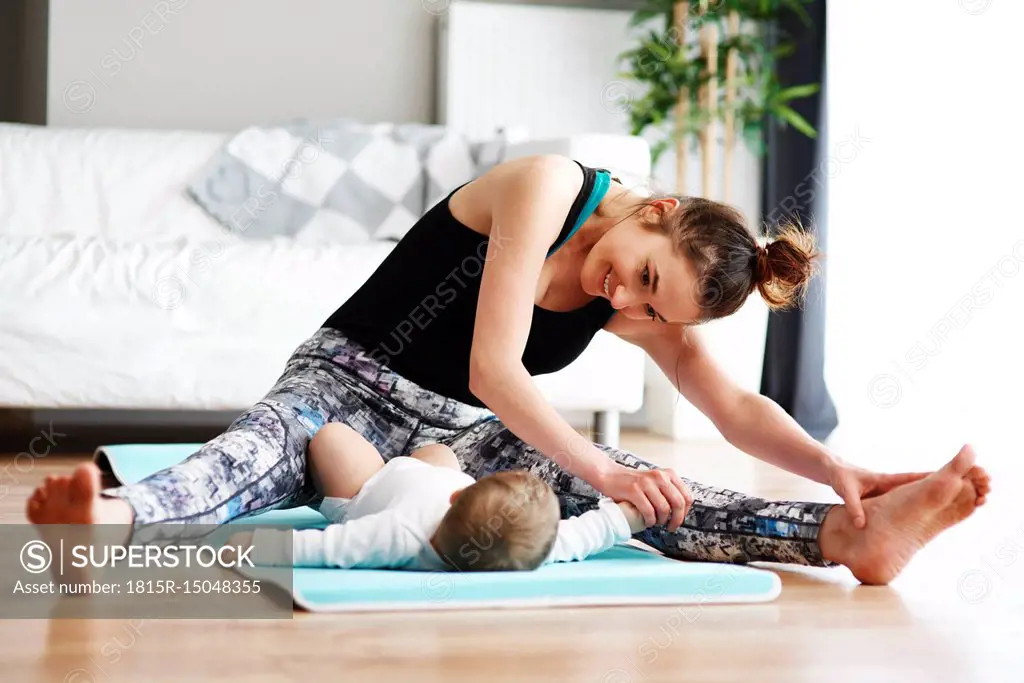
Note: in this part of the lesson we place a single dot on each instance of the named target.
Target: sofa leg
(606, 428)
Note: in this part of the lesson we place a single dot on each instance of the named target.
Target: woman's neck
(562, 289)
(619, 204)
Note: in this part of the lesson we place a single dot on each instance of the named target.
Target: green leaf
(794, 119)
(796, 92)
(783, 50)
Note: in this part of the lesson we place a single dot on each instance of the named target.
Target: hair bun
(763, 267)
(785, 266)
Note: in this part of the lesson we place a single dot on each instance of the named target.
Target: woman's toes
(980, 480)
(85, 483)
(962, 463)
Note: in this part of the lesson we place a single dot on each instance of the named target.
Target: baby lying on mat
(423, 512)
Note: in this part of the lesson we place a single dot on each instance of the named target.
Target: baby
(422, 512)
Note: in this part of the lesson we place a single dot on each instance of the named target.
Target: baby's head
(505, 522)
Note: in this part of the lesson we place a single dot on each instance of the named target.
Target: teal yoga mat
(623, 575)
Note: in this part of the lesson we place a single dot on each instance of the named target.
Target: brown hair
(731, 264)
(504, 522)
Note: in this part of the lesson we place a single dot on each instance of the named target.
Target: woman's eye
(650, 311)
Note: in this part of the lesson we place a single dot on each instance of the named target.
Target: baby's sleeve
(590, 533)
(383, 540)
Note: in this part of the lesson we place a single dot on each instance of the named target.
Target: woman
(511, 276)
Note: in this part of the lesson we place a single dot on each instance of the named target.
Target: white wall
(926, 281)
(566, 82)
(221, 64)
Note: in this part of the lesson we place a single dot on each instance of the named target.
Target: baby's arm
(382, 540)
(633, 517)
(595, 531)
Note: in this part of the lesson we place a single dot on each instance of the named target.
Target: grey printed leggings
(259, 462)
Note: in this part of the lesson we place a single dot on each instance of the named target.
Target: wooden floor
(956, 614)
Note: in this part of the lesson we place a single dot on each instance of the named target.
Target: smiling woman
(710, 259)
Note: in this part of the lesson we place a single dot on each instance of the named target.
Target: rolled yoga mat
(623, 575)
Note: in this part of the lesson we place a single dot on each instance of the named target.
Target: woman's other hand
(853, 484)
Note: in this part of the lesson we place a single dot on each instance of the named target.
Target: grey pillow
(336, 180)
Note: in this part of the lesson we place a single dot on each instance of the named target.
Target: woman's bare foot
(902, 521)
(76, 499)
(74, 502)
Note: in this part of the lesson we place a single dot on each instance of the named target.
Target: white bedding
(176, 325)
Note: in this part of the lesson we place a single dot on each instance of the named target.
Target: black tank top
(417, 311)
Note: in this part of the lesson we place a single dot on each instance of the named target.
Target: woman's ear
(665, 205)
(455, 496)
(655, 209)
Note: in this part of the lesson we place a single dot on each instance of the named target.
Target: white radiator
(536, 71)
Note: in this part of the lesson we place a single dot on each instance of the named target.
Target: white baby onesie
(389, 523)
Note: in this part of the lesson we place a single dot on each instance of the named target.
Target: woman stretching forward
(511, 276)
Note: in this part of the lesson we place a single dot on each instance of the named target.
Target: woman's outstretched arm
(529, 202)
(749, 421)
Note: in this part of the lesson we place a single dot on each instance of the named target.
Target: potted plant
(705, 63)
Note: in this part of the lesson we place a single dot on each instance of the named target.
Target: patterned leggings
(259, 462)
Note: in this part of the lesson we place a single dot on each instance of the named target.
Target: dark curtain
(793, 187)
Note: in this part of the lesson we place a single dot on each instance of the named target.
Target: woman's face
(639, 271)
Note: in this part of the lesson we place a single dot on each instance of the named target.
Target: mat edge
(531, 603)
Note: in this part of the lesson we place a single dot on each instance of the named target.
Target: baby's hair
(504, 522)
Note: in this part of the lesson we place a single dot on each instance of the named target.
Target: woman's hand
(659, 495)
(854, 483)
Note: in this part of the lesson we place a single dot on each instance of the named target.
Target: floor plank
(954, 615)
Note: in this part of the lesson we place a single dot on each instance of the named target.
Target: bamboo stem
(731, 65)
(680, 10)
(709, 50)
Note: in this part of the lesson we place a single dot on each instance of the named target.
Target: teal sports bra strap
(602, 181)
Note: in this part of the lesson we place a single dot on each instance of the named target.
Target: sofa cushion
(336, 181)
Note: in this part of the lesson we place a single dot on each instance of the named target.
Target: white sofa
(91, 222)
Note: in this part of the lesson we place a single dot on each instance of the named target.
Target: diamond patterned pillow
(336, 181)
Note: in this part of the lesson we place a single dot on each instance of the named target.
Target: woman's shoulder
(525, 178)
(547, 172)
(524, 175)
